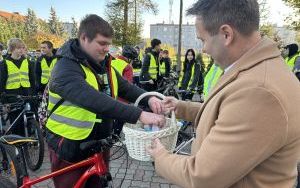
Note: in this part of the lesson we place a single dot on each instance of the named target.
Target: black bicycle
(23, 105)
(168, 85)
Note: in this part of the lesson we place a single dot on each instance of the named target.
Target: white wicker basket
(137, 140)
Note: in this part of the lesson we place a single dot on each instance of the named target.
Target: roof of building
(8, 15)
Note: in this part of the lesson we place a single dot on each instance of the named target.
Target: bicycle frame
(27, 114)
(97, 167)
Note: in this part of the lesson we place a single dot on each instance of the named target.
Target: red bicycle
(96, 164)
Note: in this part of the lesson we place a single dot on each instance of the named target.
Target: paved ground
(139, 174)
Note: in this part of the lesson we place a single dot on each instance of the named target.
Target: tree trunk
(179, 38)
(125, 22)
(135, 17)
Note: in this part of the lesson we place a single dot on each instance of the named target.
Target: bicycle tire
(34, 131)
(13, 171)
(6, 183)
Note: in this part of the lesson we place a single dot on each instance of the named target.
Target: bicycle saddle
(15, 140)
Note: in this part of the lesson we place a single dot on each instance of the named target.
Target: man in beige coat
(248, 129)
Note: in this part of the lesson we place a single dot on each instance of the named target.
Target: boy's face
(18, 51)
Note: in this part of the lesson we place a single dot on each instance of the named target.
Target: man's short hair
(155, 42)
(48, 43)
(13, 43)
(243, 15)
(92, 25)
(166, 52)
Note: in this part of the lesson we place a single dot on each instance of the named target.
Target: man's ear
(83, 37)
(227, 32)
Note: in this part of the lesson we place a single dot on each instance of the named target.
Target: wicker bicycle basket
(137, 140)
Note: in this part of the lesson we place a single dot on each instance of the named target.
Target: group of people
(156, 64)
(21, 76)
(247, 129)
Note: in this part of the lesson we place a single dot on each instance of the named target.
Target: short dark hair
(92, 25)
(155, 42)
(243, 15)
(166, 51)
(48, 43)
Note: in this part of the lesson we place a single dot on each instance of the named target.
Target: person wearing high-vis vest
(211, 79)
(150, 66)
(137, 65)
(292, 55)
(82, 99)
(44, 65)
(164, 64)
(122, 65)
(17, 77)
(296, 69)
(190, 74)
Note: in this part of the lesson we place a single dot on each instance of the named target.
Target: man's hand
(155, 105)
(148, 118)
(169, 104)
(155, 148)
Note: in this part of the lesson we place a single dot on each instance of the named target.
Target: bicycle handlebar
(107, 142)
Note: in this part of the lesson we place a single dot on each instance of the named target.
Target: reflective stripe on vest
(211, 79)
(153, 67)
(17, 77)
(191, 78)
(291, 61)
(74, 122)
(162, 68)
(46, 70)
(119, 65)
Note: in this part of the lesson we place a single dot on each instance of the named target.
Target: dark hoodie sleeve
(145, 76)
(38, 72)
(32, 76)
(168, 66)
(68, 81)
(3, 76)
(196, 76)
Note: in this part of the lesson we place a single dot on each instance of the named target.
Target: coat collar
(265, 49)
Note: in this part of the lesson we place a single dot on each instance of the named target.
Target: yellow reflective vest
(46, 70)
(162, 68)
(211, 79)
(16, 77)
(191, 79)
(72, 121)
(153, 67)
(291, 61)
(119, 65)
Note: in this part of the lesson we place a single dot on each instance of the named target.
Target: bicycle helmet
(129, 52)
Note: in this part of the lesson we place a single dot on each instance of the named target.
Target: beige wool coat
(248, 130)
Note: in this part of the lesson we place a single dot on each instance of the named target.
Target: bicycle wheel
(34, 152)
(10, 167)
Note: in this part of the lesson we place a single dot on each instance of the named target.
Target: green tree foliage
(293, 18)
(55, 25)
(12, 27)
(125, 17)
(74, 28)
(30, 29)
(31, 23)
